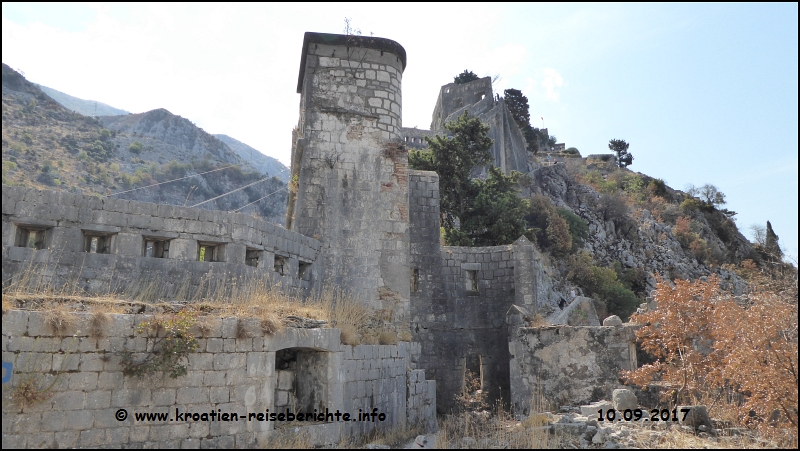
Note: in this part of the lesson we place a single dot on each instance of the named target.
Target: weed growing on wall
(170, 350)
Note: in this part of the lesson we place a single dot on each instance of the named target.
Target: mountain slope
(81, 106)
(44, 145)
(263, 163)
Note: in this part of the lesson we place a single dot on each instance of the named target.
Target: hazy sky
(704, 93)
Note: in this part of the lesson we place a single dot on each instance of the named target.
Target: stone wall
(568, 365)
(82, 378)
(460, 297)
(133, 235)
(453, 97)
(352, 168)
(414, 138)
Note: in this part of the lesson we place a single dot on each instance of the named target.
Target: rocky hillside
(261, 162)
(47, 146)
(638, 229)
(81, 106)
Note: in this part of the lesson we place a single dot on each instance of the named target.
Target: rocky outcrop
(637, 239)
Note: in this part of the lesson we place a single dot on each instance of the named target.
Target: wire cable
(230, 192)
(251, 203)
(168, 181)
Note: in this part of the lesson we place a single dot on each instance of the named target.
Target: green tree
(496, 214)
(136, 147)
(517, 104)
(465, 77)
(474, 212)
(548, 227)
(711, 195)
(453, 159)
(620, 147)
(578, 227)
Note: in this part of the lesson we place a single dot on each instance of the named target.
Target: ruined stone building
(378, 221)
(477, 98)
(359, 220)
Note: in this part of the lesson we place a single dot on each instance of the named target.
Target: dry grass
(538, 321)
(215, 294)
(678, 439)
(287, 439)
(395, 438)
(27, 393)
(500, 429)
(59, 319)
(387, 337)
(98, 326)
(349, 335)
(405, 335)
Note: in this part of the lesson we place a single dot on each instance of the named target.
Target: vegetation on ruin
(465, 77)
(517, 104)
(738, 352)
(474, 212)
(172, 342)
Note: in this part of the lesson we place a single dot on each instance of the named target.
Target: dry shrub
(405, 335)
(99, 324)
(59, 319)
(538, 321)
(287, 439)
(271, 324)
(203, 326)
(349, 335)
(387, 337)
(741, 351)
(28, 393)
(369, 338)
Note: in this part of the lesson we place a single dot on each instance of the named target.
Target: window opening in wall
(281, 264)
(481, 96)
(459, 103)
(304, 271)
(251, 257)
(472, 280)
(447, 91)
(301, 381)
(156, 248)
(414, 280)
(97, 244)
(33, 238)
(406, 138)
(208, 252)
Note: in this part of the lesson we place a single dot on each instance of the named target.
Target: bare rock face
(612, 320)
(624, 399)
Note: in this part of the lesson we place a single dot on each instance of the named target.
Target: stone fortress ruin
(359, 220)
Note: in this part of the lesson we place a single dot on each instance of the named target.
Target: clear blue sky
(704, 93)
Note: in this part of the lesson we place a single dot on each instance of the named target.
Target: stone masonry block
(98, 399)
(230, 361)
(15, 323)
(192, 395)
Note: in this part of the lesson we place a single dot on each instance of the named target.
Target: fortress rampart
(104, 244)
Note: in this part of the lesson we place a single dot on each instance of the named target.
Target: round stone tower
(350, 170)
